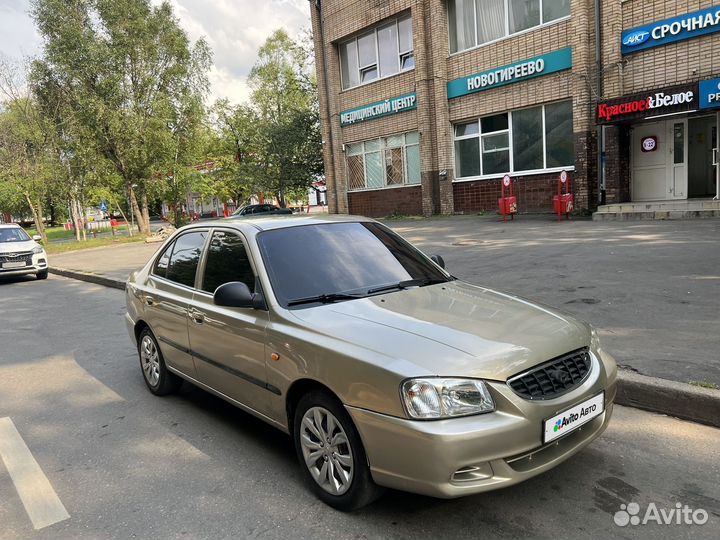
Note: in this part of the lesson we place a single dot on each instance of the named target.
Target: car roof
(10, 226)
(280, 221)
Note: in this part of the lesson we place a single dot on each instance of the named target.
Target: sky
(234, 29)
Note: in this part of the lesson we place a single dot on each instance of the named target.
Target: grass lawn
(93, 243)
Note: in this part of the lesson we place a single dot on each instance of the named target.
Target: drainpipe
(326, 106)
(600, 129)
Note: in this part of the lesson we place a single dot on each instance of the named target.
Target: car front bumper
(38, 264)
(462, 456)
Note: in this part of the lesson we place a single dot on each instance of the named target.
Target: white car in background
(20, 254)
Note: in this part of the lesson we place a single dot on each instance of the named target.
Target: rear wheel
(331, 453)
(157, 377)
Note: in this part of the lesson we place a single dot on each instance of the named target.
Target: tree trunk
(136, 209)
(37, 217)
(145, 212)
(75, 217)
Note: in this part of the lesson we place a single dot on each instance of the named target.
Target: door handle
(149, 300)
(197, 316)
(715, 156)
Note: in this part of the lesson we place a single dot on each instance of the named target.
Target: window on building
(385, 162)
(381, 52)
(474, 22)
(531, 139)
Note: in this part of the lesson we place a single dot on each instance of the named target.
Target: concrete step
(661, 206)
(655, 214)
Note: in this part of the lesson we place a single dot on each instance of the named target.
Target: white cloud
(234, 29)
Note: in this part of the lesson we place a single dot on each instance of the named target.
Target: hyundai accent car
(385, 369)
(21, 255)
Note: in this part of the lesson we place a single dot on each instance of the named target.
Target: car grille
(17, 257)
(553, 378)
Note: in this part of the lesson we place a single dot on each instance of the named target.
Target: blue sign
(103, 206)
(520, 71)
(710, 94)
(692, 25)
(379, 109)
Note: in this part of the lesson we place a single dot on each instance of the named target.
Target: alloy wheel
(326, 450)
(150, 360)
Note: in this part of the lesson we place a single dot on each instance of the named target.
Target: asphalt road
(126, 464)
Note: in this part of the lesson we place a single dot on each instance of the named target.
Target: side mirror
(37, 238)
(234, 294)
(437, 259)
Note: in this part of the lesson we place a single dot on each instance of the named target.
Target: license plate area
(18, 264)
(572, 418)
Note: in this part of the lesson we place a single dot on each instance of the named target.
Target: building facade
(427, 104)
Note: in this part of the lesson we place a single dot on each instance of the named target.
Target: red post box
(507, 203)
(564, 201)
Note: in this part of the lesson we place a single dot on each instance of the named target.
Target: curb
(90, 278)
(681, 400)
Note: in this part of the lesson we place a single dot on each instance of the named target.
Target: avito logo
(636, 38)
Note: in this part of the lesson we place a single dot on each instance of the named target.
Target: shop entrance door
(702, 135)
(677, 177)
(649, 161)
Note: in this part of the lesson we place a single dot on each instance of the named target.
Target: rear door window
(183, 263)
(227, 260)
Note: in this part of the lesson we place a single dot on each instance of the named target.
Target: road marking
(42, 504)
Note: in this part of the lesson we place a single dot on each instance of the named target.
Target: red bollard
(564, 202)
(508, 205)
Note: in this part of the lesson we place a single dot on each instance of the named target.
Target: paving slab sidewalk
(651, 288)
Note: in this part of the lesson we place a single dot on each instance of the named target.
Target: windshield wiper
(324, 298)
(422, 282)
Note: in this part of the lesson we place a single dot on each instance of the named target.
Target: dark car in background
(260, 209)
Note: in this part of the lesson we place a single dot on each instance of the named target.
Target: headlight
(38, 249)
(444, 398)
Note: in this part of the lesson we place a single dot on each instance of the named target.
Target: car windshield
(13, 234)
(340, 261)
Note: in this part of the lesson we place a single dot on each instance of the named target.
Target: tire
(152, 364)
(349, 484)
(43, 274)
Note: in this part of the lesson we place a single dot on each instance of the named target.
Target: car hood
(17, 247)
(451, 329)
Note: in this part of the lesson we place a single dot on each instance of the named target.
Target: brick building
(427, 104)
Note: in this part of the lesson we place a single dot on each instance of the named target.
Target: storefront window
(379, 53)
(558, 134)
(528, 139)
(474, 22)
(541, 139)
(378, 163)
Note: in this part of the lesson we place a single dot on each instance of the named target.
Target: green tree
(129, 77)
(284, 96)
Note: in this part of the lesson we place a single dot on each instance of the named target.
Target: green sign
(379, 109)
(520, 71)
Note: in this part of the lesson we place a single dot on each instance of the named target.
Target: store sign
(526, 69)
(648, 144)
(671, 100)
(710, 94)
(692, 25)
(379, 109)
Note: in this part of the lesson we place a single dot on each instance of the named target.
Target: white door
(650, 156)
(677, 174)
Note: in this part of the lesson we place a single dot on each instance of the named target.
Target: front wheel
(42, 274)
(331, 453)
(157, 377)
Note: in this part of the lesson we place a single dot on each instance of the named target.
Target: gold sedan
(386, 370)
